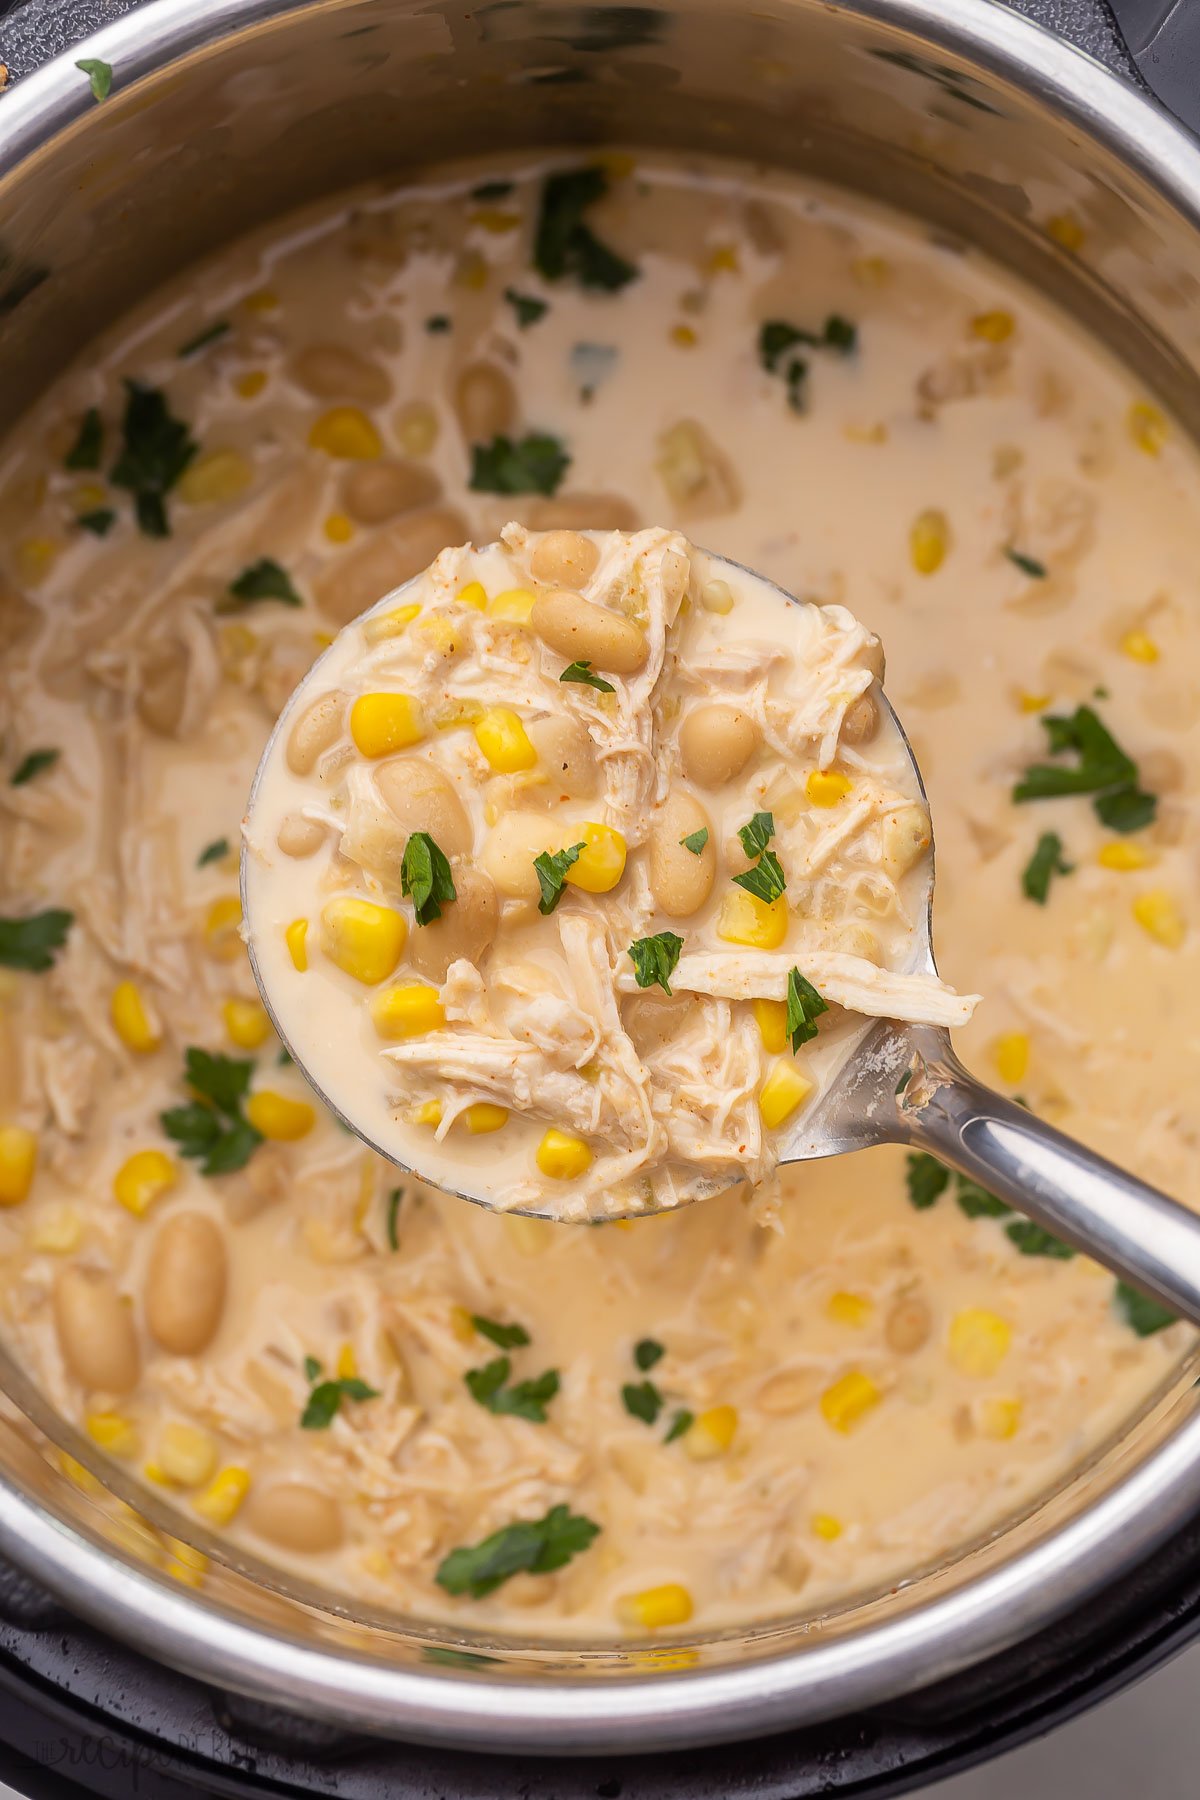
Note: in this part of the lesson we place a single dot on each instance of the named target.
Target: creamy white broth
(828, 1332)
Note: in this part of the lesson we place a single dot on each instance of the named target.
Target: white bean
(319, 726)
(465, 930)
(373, 492)
(185, 1283)
(905, 836)
(563, 559)
(564, 749)
(294, 1516)
(680, 880)
(331, 372)
(581, 631)
(421, 798)
(395, 553)
(510, 847)
(860, 721)
(716, 742)
(94, 1325)
(298, 836)
(485, 402)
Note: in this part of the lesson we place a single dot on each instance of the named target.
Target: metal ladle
(905, 1085)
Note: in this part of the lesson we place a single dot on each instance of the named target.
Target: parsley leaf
(926, 1179)
(1141, 1313)
(505, 1337)
(523, 1400)
(642, 1400)
(265, 580)
(552, 866)
(426, 877)
(34, 764)
(99, 523)
(804, 1007)
(86, 451)
(766, 880)
(582, 671)
(1102, 770)
(99, 76)
(654, 959)
(534, 464)
(213, 852)
(438, 322)
(528, 309)
(777, 339)
(840, 334)
(1028, 565)
(1046, 862)
(324, 1402)
(1035, 1240)
(758, 833)
(563, 245)
(1126, 809)
(203, 339)
(532, 1546)
(156, 449)
(212, 1129)
(695, 840)
(393, 1217)
(492, 190)
(30, 943)
(976, 1202)
(681, 1423)
(646, 1352)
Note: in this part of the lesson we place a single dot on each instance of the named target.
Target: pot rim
(933, 1640)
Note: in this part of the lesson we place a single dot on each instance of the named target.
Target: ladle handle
(1144, 1237)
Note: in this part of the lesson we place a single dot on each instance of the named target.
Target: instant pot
(116, 1677)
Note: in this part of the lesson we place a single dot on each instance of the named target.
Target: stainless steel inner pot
(225, 112)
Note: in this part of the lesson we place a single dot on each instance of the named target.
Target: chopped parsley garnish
(766, 880)
(492, 190)
(438, 322)
(1046, 862)
(1028, 565)
(654, 959)
(681, 1423)
(777, 340)
(99, 522)
(534, 464)
(926, 1179)
(86, 451)
(976, 1202)
(393, 1218)
(523, 1400)
(213, 1129)
(564, 245)
(99, 76)
(425, 876)
(1035, 1240)
(582, 672)
(156, 449)
(527, 308)
(326, 1397)
(203, 339)
(505, 1337)
(213, 852)
(1101, 769)
(30, 943)
(34, 764)
(695, 840)
(1141, 1313)
(646, 1352)
(642, 1401)
(265, 580)
(530, 1547)
(758, 833)
(804, 1008)
(552, 866)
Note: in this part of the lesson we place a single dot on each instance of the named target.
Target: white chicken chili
(617, 869)
(759, 1406)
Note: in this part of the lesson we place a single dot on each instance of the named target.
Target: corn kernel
(346, 1367)
(389, 624)
(512, 607)
(771, 1018)
(717, 597)
(1124, 855)
(82, 1478)
(428, 1113)
(781, 1093)
(471, 271)
(654, 1608)
(529, 1237)
(849, 1400)
(223, 1496)
(979, 1341)
(144, 1178)
(1139, 646)
(441, 633)
(1157, 912)
(683, 335)
(417, 428)
(18, 1160)
(1147, 427)
(338, 528)
(132, 1021)
(1033, 703)
(1011, 1054)
(504, 741)
(474, 594)
(250, 385)
(723, 260)
(279, 1117)
(383, 723)
(186, 1455)
(745, 919)
(246, 1023)
(185, 1564)
(711, 1433)
(872, 271)
(213, 479)
(494, 219)
(113, 1432)
(1066, 230)
(928, 541)
(462, 1324)
(484, 1117)
(849, 1309)
(825, 787)
(993, 327)
(999, 1418)
(364, 940)
(826, 1526)
(563, 1157)
(601, 862)
(262, 300)
(57, 1232)
(35, 559)
(221, 937)
(407, 1010)
(295, 937)
(346, 433)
